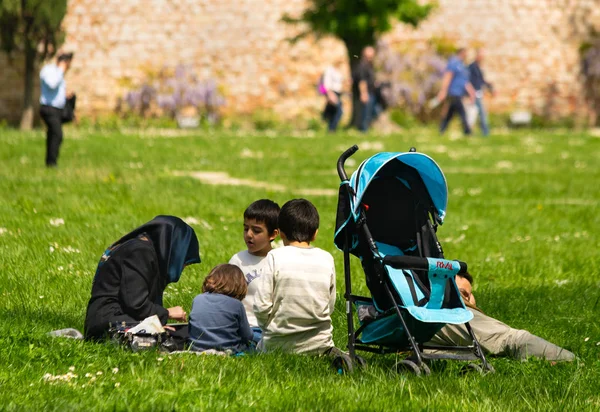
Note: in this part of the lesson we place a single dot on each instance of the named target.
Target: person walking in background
(331, 87)
(455, 84)
(363, 89)
(55, 107)
(479, 83)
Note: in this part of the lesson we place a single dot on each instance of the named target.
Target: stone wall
(532, 48)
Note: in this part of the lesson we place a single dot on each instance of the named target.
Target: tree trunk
(27, 114)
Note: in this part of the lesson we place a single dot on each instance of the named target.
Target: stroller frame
(415, 362)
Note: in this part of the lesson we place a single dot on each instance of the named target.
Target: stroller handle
(415, 263)
(342, 159)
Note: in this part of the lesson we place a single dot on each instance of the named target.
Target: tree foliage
(32, 23)
(33, 28)
(358, 23)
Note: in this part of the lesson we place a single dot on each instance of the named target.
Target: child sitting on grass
(260, 229)
(218, 319)
(295, 297)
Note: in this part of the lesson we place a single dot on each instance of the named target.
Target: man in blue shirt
(479, 83)
(53, 100)
(455, 84)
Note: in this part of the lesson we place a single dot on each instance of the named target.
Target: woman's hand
(177, 313)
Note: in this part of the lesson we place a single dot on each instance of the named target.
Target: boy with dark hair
(260, 229)
(295, 297)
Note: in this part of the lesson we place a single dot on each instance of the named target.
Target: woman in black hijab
(134, 272)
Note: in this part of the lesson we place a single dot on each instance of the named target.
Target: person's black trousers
(456, 106)
(53, 118)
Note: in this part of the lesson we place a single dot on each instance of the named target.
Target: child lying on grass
(495, 337)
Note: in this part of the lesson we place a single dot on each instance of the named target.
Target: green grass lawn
(523, 212)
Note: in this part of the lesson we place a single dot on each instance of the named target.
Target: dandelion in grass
(57, 222)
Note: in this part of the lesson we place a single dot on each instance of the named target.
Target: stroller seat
(432, 312)
(425, 321)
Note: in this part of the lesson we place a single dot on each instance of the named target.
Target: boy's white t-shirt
(294, 299)
(253, 267)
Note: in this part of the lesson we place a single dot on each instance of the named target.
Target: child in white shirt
(295, 296)
(260, 229)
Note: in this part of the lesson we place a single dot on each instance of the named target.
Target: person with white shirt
(52, 104)
(260, 229)
(295, 296)
(331, 86)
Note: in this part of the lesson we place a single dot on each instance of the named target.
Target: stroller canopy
(383, 184)
(430, 172)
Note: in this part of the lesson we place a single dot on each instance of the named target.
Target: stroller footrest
(454, 316)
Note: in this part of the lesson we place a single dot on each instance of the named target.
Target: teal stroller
(388, 214)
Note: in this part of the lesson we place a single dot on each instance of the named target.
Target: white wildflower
(41, 296)
(117, 384)
(60, 268)
(504, 164)
(115, 370)
(3, 230)
(474, 191)
(88, 375)
(57, 222)
(191, 220)
(561, 282)
(161, 359)
(72, 368)
(99, 373)
(586, 339)
(465, 227)
(51, 249)
(70, 249)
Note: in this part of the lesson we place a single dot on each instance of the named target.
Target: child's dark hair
(227, 280)
(299, 220)
(263, 211)
(467, 276)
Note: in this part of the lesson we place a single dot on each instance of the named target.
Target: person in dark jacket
(134, 272)
(479, 84)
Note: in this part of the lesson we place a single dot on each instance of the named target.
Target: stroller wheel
(406, 365)
(342, 364)
(360, 361)
(471, 367)
(489, 368)
(425, 369)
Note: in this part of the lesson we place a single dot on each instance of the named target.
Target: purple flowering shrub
(414, 77)
(177, 91)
